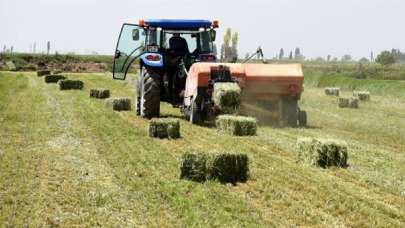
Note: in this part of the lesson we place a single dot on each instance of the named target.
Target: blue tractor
(165, 49)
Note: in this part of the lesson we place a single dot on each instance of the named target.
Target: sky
(317, 27)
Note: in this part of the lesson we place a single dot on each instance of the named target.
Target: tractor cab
(165, 49)
(155, 42)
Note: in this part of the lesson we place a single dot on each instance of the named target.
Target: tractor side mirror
(213, 35)
(135, 34)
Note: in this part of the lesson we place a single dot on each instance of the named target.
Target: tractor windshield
(198, 42)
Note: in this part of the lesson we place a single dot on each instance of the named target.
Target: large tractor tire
(138, 95)
(149, 102)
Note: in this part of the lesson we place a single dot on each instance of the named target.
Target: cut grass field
(66, 160)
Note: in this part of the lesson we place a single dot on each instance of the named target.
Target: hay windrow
(164, 128)
(322, 152)
(118, 104)
(100, 93)
(236, 125)
(226, 97)
(362, 95)
(44, 72)
(332, 91)
(54, 78)
(223, 167)
(70, 84)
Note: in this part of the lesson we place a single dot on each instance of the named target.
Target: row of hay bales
(348, 102)
(63, 82)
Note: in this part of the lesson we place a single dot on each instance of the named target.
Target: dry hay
(43, 73)
(322, 152)
(332, 91)
(164, 128)
(348, 102)
(54, 78)
(226, 97)
(353, 102)
(70, 84)
(11, 66)
(236, 125)
(223, 167)
(118, 104)
(362, 95)
(100, 93)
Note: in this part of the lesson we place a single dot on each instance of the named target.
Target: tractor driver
(178, 45)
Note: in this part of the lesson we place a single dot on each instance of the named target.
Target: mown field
(67, 161)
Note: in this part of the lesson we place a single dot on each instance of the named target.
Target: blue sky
(318, 27)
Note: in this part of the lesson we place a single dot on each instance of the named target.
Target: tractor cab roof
(178, 24)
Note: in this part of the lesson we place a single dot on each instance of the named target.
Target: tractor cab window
(153, 37)
(197, 42)
(189, 38)
(205, 42)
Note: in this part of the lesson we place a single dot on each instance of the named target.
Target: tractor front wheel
(149, 102)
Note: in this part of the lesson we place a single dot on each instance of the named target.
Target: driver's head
(176, 34)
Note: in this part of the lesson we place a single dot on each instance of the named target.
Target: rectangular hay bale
(70, 84)
(237, 125)
(332, 91)
(43, 73)
(353, 102)
(226, 97)
(362, 95)
(223, 167)
(118, 104)
(343, 102)
(54, 78)
(322, 152)
(164, 128)
(100, 93)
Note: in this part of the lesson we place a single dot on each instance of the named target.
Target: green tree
(290, 57)
(229, 48)
(281, 55)
(385, 58)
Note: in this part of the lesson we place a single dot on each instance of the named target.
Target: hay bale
(226, 97)
(223, 167)
(362, 95)
(164, 128)
(54, 78)
(11, 66)
(70, 84)
(322, 152)
(193, 167)
(118, 104)
(237, 125)
(100, 93)
(343, 102)
(332, 91)
(348, 102)
(43, 73)
(57, 72)
(228, 168)
(353, 102)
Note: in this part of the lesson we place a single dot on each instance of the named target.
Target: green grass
(65, 160)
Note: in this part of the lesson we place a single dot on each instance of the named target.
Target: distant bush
(386, 58)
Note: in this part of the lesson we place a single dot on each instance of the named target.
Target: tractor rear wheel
(150, 95)
(138, 95)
